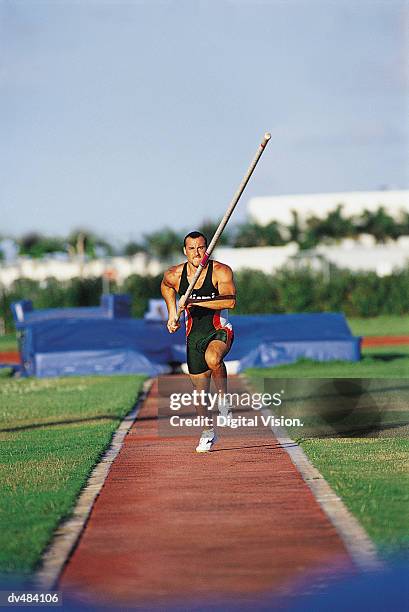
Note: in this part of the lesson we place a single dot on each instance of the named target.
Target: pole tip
(267, 136)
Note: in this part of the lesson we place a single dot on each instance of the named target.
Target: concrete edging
(68, 533)
(357, 542)
(362, 550)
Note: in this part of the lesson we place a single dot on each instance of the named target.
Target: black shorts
(197, 345)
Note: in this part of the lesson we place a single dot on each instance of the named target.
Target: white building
(278, 208)
(379, 258)
(74, 267)
(361, 255)
(267, 259)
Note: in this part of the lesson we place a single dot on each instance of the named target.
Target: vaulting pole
(222, 224)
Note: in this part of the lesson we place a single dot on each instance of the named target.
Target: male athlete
(209, 335)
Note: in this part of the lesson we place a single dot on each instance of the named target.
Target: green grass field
(8, 342)
(394, 365)
(371, 473)
(376, 362)
(52, 434)
(372, 477)
(386, 325)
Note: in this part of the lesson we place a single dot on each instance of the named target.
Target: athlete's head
(194, 247)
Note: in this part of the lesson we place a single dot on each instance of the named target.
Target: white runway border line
(357, 542)
(360, 547)
(68, 533)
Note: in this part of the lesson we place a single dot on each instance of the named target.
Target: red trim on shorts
(218, 325)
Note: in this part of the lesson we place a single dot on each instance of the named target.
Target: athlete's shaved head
(194, 235)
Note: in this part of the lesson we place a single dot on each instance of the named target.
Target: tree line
(164, 243)
(362, 294)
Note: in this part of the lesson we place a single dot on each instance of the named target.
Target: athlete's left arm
(223, 276)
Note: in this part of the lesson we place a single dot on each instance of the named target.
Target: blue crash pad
(74, 346)
(113, 306)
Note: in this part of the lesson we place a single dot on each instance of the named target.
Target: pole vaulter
(222, 225)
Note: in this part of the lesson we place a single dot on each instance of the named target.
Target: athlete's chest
(204, 280)
(206, 285)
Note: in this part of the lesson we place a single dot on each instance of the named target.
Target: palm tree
(83, 242)
(252, 234)
(381, 225)
(131, 248)
(36, 245)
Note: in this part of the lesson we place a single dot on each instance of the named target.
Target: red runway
(10, 357)
(171, 524)
(384, 340)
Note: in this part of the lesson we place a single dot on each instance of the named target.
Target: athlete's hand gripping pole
(222, 225)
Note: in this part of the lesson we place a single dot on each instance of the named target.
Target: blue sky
(124, 117)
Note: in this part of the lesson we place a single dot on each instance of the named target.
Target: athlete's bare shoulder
(171, 278)
(221, 271)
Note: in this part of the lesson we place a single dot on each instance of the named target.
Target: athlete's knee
(214, 361)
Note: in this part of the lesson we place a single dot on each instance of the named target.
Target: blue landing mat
(80, 346)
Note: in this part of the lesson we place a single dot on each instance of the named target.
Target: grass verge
(8, 343)
(385, 325)
(376, 362)
(372, 477)
(369, 473)
(52, 434)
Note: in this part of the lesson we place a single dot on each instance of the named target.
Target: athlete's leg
(201, 382)
(214, 354)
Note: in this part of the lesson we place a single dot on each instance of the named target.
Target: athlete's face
(194, 250)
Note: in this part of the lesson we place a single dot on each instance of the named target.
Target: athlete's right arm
(168, 291)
